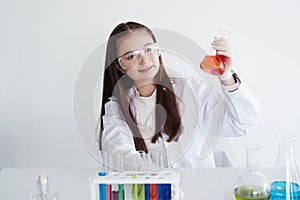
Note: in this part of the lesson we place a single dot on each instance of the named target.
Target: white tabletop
(73, 184)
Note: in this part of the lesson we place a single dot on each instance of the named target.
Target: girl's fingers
(220, 44)
(221, 48)
(225, 53)
(221, 40)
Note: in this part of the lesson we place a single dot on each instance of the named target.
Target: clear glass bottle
(285, 182)
(43, 190)
(251, 184)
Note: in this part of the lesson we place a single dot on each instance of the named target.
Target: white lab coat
(240, 115)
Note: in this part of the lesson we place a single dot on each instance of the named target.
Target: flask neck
(252, 161)
(286, 149)
(42, 185)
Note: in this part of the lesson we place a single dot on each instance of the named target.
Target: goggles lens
(133, 57)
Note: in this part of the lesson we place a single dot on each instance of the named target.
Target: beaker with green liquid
(251, 184)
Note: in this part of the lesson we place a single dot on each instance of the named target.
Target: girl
(143, 109)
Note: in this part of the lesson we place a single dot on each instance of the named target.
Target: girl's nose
(143, 59)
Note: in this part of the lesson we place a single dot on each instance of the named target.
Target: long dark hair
(117, 83)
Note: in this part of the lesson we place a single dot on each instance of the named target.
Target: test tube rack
(164, 176)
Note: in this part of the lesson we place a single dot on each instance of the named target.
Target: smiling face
(139, 58)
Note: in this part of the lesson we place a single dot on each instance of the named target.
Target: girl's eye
(148, 49)
(131, 57)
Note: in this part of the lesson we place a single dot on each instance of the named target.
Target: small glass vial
(43, 190)
(251, 184)
(285, 184)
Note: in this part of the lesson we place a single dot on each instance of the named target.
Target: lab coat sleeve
(203, 123)
(117, 137)
(242, 112)
(116, 132)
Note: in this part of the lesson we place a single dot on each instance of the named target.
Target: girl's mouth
(144, 69)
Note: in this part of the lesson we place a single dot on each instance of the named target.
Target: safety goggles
(133, 57)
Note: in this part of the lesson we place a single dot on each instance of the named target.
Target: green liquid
(250, 192)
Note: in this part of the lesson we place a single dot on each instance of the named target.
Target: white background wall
(43, 45)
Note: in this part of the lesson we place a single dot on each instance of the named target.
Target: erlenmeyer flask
(212, 63)
(285, 184)
(251, 184)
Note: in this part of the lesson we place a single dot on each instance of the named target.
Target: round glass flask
(251, 184)
(285, 182)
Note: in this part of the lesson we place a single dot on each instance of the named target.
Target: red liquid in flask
(213, 64)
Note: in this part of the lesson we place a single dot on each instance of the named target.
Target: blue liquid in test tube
(167, 194)
(102, 187)
(147, 191)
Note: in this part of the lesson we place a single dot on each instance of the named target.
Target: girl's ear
(120, 68)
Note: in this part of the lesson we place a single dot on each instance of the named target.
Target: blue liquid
(278, 191)
(160, 191)
(167, 193)
(102, 187)
(147, 191)
(164, 191)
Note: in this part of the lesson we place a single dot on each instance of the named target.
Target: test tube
(102, 187)
(127, 191)
(115, 192)
(118, 162)
(144, 159)
(108, 192)
(132, 161)
(160, 191)
(167, 193)
(105, 161)
(121, 192)
(117, 165)
(153, 192)
(140, 191)
(157, 159)
(147, 191)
